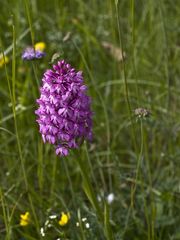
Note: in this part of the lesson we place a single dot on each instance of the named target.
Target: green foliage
(129, 53)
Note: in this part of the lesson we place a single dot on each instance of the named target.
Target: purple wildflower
(30, 54)
(64, 113)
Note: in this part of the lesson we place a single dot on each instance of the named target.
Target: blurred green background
(129, 52)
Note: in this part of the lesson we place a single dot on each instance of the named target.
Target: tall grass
(135, 159)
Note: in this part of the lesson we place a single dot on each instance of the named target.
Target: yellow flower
(40, 46)
(24, 219)
(3, 60)
(64, 219)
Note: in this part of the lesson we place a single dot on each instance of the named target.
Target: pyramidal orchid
(64, 113)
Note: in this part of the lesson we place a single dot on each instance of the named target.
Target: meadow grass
(136, 159)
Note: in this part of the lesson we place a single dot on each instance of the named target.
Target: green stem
(150, 187)
(104, 110)
(13, 98)
(133, 189)
(93, 200)
(89, 189)
(138, 163)
(70, 183)
(35, 74)
(126, 91)
(5, 216)
(133, 49)
(26, 2)
(83, 237)
(166, 54)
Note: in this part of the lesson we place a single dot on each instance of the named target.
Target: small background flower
(65, 217)
(24, 219)
(40, 46)
(3, 60)
(36, 52)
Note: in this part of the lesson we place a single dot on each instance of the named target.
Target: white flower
(46, 222)
(110, 198)
(99, 198)
(42, 232)
(87, 225)
(84, 219)
(53, 216)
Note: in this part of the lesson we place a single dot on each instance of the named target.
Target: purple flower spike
(30, 54)
(64, 113)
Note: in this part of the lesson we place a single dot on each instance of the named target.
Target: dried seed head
(142, 112)
(114, 51)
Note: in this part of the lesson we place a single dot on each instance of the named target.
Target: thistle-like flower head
(64, 113)
(142, 112)
(36, 52)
